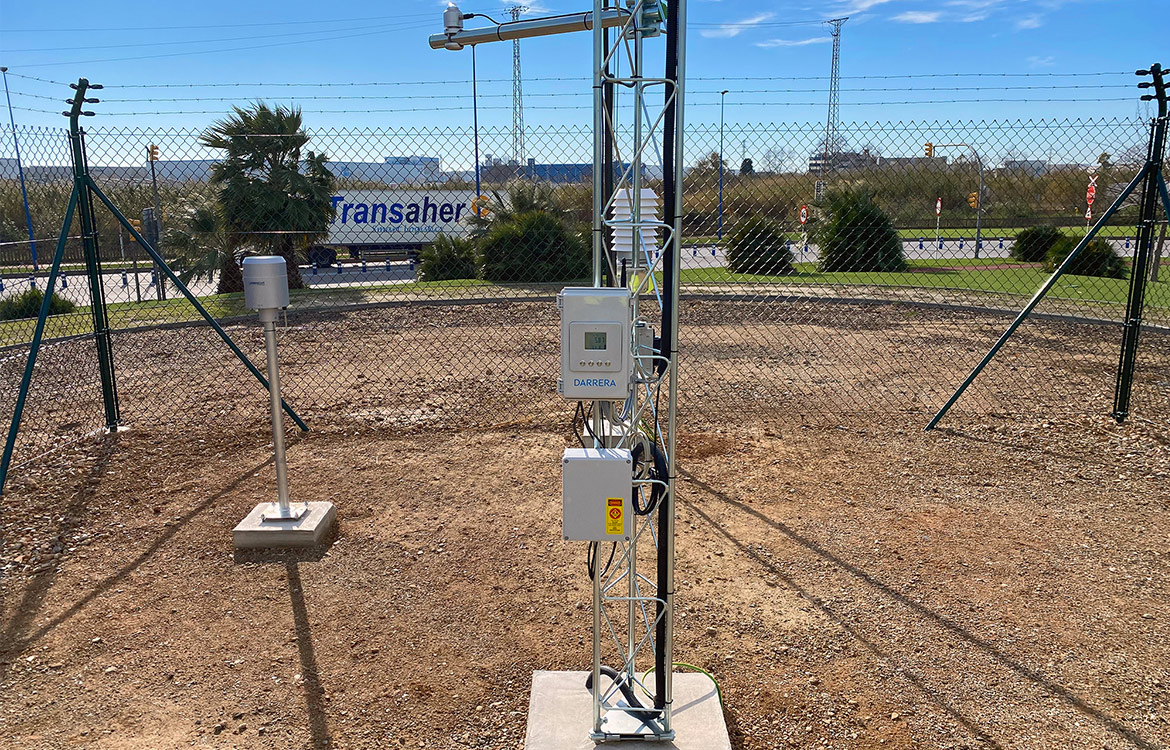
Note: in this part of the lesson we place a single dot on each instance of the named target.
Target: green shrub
(27, 304)
(533, 246)
(1032, 244)
(447, 258)
(1098, 258)
(856, 235)
(758, 245)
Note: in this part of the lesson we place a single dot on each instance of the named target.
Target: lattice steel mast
(633, 613)
(517, 94)
(833, 123)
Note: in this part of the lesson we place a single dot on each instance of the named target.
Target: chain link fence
(823, 278)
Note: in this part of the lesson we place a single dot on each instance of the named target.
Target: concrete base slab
(307, 531)
(560, 714)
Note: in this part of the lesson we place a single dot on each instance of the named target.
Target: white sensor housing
(452, 25)
(265, 283)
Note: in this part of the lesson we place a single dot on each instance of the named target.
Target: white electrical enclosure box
(265, 282)
(596, 487)
(595, 343)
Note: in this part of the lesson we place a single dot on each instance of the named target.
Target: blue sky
(729, 40)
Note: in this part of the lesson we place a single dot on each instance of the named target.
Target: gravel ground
(851, 581)
(1004, 585)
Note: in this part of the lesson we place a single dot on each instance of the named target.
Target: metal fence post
(35, 345)
(1140, 272)
(93, 266)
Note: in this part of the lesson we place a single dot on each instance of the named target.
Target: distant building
(497, 170)
(841, 160)
(1028, 167)
(394, 170)
(911, 162)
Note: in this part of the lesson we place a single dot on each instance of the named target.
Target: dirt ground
(851, 581)
(1001, 586)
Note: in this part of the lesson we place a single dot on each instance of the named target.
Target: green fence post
(35, 345)
(1040, 294)
(93, 265)
(190, 297)
(1139, 271)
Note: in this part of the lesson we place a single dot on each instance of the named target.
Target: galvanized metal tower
(517, 94)
(833, 123)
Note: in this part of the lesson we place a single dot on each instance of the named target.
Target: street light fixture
(722, 99)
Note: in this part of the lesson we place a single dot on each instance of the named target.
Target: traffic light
(973, 200)
(929, 150)
(152, 152)
(137, 225)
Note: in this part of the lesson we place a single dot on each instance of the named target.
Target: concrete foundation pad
(307, 531)
(560, 714)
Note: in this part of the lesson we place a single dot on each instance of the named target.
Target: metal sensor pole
(266, 291)
(279, 524)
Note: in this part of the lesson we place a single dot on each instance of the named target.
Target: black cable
(627, 690)
(591, 559)
(579, 412)
(588, 426)
(658, 471)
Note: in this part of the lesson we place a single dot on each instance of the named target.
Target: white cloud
(793, 42)
(1029, 22)
(856, 6)
(1041, 62)
(918, 16)
(728, 30)
(975, 4)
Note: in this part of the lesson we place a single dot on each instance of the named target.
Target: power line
(367, 19)
(354, 84)
(226, 49)
(752, 25)
(379, 97)
(204, 41)
(1029, 100)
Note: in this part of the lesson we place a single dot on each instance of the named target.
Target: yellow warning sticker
(614, 507)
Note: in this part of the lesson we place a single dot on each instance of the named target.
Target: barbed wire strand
(537, 79)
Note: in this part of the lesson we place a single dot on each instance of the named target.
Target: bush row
(530, 246)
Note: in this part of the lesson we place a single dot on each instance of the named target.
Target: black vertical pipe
(607, 163)
(670, 212)
(1139, 272)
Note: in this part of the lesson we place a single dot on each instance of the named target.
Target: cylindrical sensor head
(265, 283)
(452, 20)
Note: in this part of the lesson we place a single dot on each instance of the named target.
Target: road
(126, 286)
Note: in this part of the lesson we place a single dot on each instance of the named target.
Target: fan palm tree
(523, 197)
(273, 201)
(202, 244)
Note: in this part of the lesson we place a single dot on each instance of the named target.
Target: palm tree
(272, 201)
(522, 197)
(202, 244)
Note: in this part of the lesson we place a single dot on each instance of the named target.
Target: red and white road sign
(1089, 213)
(803, 215)
(1091, 192)
(938, 207)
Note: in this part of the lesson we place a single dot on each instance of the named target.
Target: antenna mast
(517, 95)
(833, 123)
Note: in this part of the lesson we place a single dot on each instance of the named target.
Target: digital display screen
(595, 341)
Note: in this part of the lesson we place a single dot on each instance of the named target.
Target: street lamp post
(722, 99)
(475, 122)
(32, 243)
(979, 195)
